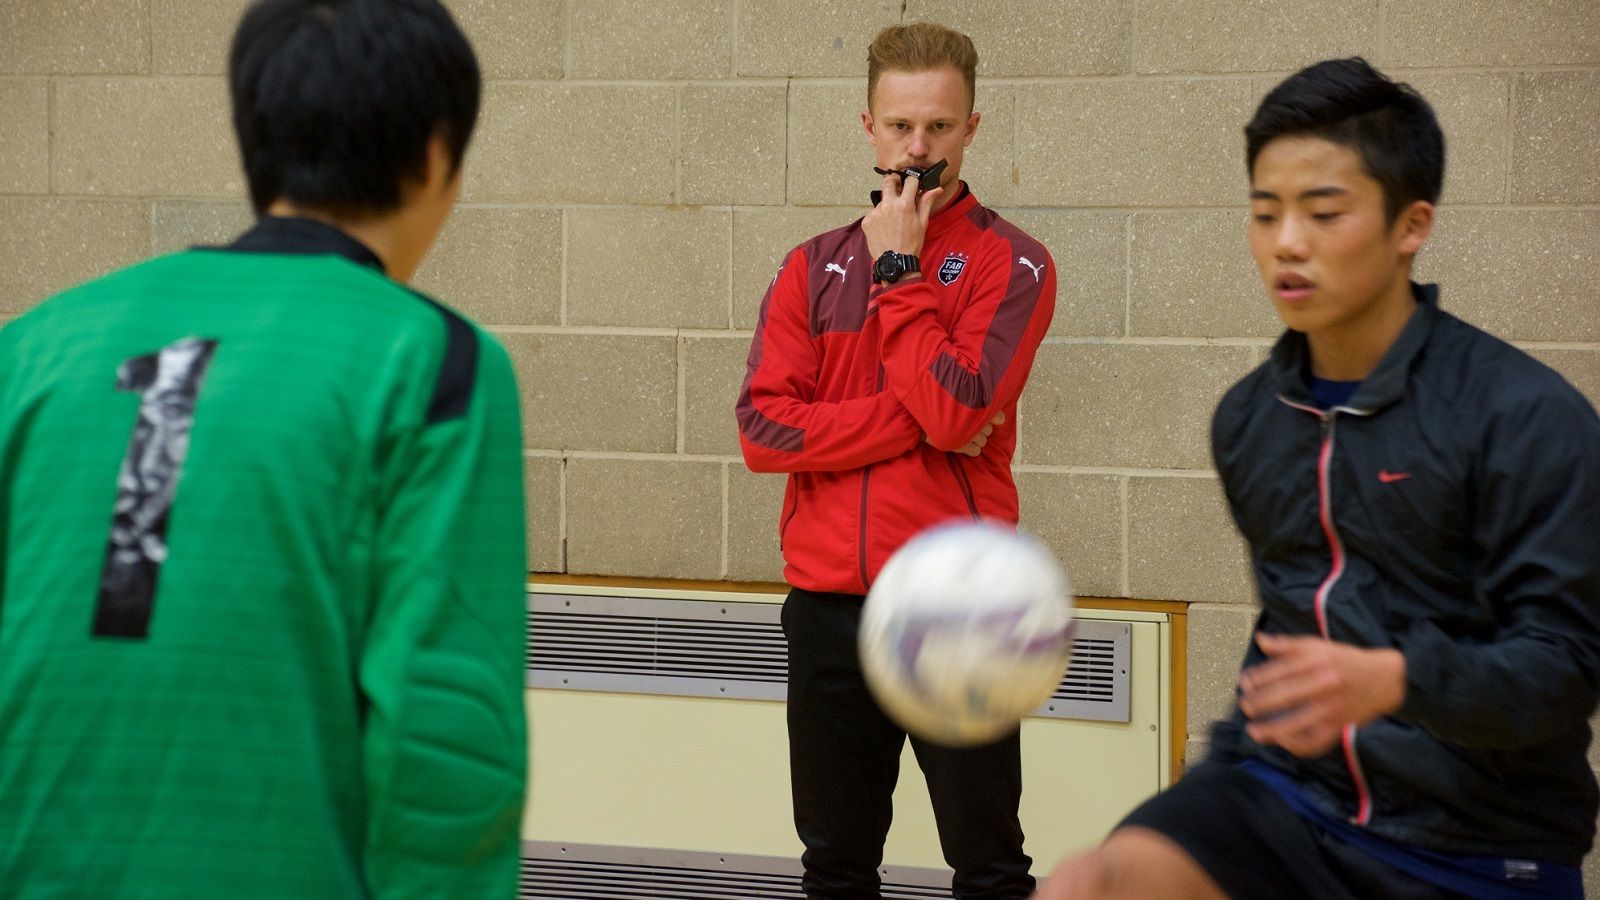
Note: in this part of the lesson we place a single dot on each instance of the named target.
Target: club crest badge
(951, 268)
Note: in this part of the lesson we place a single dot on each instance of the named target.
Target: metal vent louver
(1096, 684)
(588, 872)
(711, 648)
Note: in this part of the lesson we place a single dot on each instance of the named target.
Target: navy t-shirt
(1329, 393)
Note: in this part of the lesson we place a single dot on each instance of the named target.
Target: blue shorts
(1260, 839)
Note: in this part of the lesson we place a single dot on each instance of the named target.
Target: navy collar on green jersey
(286, 234)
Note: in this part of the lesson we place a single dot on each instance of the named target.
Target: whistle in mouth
(927, 179)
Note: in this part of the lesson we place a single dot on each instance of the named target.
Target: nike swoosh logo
(1388, 477)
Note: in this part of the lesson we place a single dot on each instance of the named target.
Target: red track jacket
(861, 393)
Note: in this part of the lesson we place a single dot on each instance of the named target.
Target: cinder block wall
(641, 166)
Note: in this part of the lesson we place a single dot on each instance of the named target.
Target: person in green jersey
(261, 519)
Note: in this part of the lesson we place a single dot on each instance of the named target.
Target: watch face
(887, 268)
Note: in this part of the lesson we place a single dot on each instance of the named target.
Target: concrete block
(642, 39)
(1218, 638)
(515, 38)
(1193, 277)
(755, 501)
(1553, 137)
(597, 392)
(1039, 37)
(1080, 518)
(49, 244)
(180, 224)
(1090, 249)
(1522, 274)
(1594, 746)
(25, 136)
(1239, 36)
(733, 146)
(145, 137)
(101, 37)
(762, 237)
(1133, 143)
(499, 265)
(644, 518)
(830, 160)
(1419, 33)
(1474, 111)
(1122, 405)
(192, 37)
(542, 488)
(670, 270)
(989, 166)
(713, 372)
(780, 38)
(561, 143)
(1182, 544)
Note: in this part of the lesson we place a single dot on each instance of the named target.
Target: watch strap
(891, 266)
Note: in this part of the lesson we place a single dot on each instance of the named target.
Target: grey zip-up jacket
(1450, 510)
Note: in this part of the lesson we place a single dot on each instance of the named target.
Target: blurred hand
(1309, 689)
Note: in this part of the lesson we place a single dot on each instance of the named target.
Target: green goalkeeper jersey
(261, 585)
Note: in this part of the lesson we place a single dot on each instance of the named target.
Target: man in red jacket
(883, 377)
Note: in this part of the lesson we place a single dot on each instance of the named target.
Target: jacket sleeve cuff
(1427, 675)
(878, 290)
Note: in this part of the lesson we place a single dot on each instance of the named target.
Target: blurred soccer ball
(967, 629)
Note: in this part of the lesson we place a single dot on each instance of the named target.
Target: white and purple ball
(967, 629)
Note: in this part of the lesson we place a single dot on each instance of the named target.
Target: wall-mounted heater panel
(553, 871)
(735, 650)
(658, 745)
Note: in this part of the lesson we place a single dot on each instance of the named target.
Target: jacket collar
(952, 212)
(1290, 362)
(287, 234)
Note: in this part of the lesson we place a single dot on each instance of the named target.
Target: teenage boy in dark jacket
(1422, 504)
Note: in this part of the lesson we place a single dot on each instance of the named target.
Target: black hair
(334, 101)
(1348, 102)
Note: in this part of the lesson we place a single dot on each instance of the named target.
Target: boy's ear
(438, 170)
(435, 175)
(1412, 227)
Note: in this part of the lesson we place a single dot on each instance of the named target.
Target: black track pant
(844, 759)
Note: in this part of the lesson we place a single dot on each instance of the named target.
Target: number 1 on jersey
(168, 383)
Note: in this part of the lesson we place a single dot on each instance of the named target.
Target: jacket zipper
(965, 483)
(866, 480)
(1325, 512)
(1352, 762)
(861, 551)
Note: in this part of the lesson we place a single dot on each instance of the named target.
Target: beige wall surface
(641, 166)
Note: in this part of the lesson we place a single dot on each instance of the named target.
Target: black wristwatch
(891, 266)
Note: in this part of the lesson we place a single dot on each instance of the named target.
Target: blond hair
(918, 47)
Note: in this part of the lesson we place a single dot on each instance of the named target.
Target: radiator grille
(580, 872)
(712, 648)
